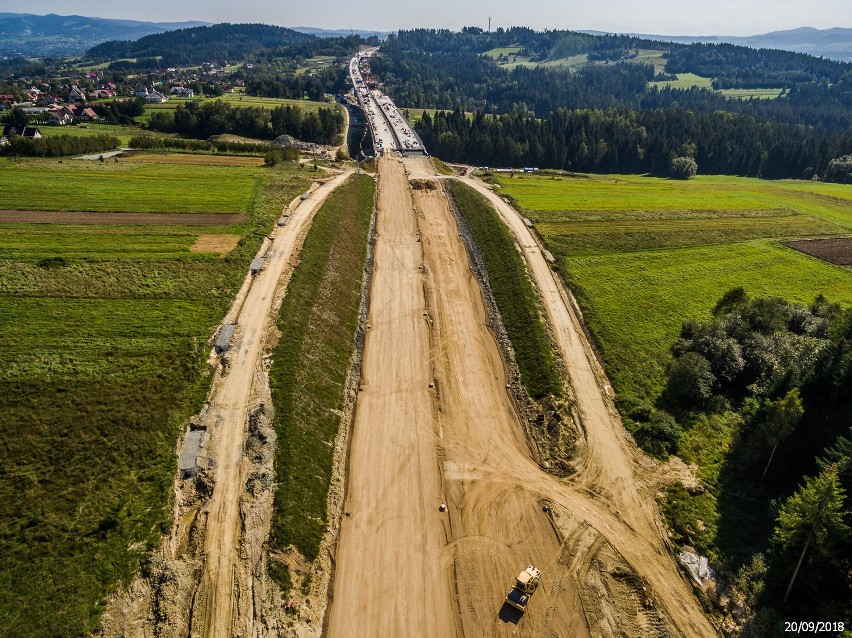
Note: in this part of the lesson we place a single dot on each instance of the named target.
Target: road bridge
(391, 132)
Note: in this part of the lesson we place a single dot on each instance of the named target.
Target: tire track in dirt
(225, 575)
(605, 563)
(611, 478)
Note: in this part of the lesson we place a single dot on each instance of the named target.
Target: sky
(666, 17)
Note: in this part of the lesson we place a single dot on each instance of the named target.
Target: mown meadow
(645, 254)
(103, 332)
(124, 185)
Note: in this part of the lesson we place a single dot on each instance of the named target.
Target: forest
(417, 76)
(628, 141)
(217, 43)
(215, 117)
(784, 371)
(763, 67)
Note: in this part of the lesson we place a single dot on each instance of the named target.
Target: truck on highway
(525, 585)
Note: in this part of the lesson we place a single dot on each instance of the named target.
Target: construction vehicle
(525, 586)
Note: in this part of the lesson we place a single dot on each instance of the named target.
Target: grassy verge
(100, 361)
(513, 292)
(318, 319)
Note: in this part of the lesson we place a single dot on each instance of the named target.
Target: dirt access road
(434, 424)
(217, 610)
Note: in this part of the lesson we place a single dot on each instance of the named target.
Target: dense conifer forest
(608, 116)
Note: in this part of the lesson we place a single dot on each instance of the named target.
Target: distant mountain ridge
(340, 33)
(835, 43)
(55, 35)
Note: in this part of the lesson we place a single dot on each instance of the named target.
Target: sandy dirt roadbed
(434, 424)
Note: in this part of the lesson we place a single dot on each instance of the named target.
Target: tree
(683, 168)
(839, 170)
(690, 379)
(812, 517)
(780, 420)
(660, 435)
(18, 118)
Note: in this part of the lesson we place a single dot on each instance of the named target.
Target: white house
(182, 91)
(155, 97)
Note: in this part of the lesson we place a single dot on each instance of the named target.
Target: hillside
(33, 35)
(835, 44)
(220, 42)
(539, 72)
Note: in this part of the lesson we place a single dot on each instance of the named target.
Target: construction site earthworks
(442, 489)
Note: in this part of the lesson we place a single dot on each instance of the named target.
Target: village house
(155, 97)
(47, 100)
(25, 131)
(182, 91)
(76, 94)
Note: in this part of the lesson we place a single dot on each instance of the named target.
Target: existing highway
(392, 133)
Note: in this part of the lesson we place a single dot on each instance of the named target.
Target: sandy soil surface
(613, 471)
(435, 424)
(222, 244)
(122, 219)
(391, 578)
(217, 598)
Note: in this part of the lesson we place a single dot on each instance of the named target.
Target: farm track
(218, 603)
(118, 218)
(204, 582)
(434, 424)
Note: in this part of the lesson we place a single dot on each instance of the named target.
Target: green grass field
(126, 186)
(315, 63)
(652, 56)
(685, 81)
(123, 133)
(102, 343)
(690, 80)
(318, 320)
(744, 94)
(237, 99)
(645, 254)
(507, 51)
